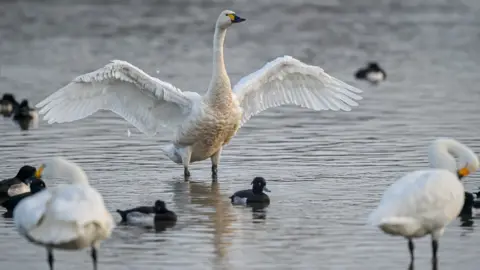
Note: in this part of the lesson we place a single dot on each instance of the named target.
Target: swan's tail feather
(171, 152)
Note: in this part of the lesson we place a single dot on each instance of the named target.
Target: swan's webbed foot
(214, 172)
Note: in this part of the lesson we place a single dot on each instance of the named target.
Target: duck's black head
(24, 104)
(373, 66)
(36, 184)
(259, 185)
(9, 97)
(160, 206)
(26, 172)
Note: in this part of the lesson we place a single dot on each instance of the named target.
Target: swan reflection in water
(204, 201)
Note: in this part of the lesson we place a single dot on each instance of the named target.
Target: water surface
(326, 170)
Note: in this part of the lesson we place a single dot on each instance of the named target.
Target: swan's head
(227, 18)
(470, 167)
(442, 154)
(58, 167)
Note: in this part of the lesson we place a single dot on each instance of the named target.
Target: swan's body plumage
(420, 203)
(425, 201)
(71, 216)
(202, 125)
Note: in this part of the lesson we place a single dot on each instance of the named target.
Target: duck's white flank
(18, 189)
(375, 76)
(202, 125)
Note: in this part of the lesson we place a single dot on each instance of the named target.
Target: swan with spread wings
(202, 125)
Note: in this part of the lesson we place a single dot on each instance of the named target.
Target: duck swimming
(24, 112)
(157, 216)
(36, 185)
(25, 116)
(255, 195)
(7, 105)
(18, 184)
(372, 73)
(201, 125)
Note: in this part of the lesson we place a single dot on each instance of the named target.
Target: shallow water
(326, 170)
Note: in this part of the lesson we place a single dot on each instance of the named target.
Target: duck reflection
(259, 211)
(207, 201)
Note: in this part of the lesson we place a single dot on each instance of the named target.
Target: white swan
(67, 217)
(201, 125)
(425, 201)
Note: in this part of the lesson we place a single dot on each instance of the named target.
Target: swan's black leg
(411, 248)
(215, 160)
(186, 173)
(186, 156)
(434, 250)
(50, 258)
(94, 257)
(214, 172)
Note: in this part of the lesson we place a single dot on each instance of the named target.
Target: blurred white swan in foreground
(68, 217)
(425, 201)
(202, 125)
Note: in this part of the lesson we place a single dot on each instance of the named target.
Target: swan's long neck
(442, 154)
(219, 89)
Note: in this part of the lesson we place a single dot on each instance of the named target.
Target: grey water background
(326, 169)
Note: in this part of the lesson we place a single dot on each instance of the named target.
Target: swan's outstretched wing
(146, 102)
(287, 80)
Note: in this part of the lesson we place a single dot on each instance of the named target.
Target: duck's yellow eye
(232, 16)
(464, 172)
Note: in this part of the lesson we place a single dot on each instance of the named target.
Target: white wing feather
(287, 80)
(146, 102)
(29, 211)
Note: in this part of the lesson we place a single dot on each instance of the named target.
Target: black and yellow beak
(463, 172)
(235, 19)
(39, 171)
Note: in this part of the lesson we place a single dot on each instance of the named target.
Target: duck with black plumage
(36, 185)
(253, 197)
(156, 216)
(18, 184)
(373, 73)
(7, 105)
(25, 116)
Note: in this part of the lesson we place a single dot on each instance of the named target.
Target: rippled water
(326, 170)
